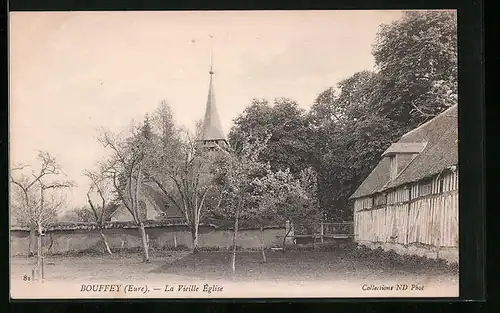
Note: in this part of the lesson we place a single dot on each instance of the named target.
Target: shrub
(325, 246)
(213, 248)
(127, 250)
(453, 267)
(179, 248)
(77, 253)
(290, 247)
(392, 257)
(362, 252)
(411, 261)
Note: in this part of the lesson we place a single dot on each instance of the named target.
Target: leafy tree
(163, 124)
(324, 109)
(351, 125)
(285, 122)
(147, 129)
(285, 198)
(348, 141)
(237, 175)
(255, 120)
(254, 193)
(417, 58)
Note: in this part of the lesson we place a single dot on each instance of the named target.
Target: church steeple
(211, 71)
(212, 134)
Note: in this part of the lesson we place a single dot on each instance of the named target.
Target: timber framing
(410, 204)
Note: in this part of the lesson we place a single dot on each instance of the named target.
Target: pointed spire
(212, 129)
(211, 72)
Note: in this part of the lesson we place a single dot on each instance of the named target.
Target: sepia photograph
(233, 154)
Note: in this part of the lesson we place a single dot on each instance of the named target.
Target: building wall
(63, 241)
(419, 216)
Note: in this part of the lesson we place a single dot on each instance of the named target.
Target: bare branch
(59, 185)
(416, 108)
(19, 167)
(94, 210)
(34, 211)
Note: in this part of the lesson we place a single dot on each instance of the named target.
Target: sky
(73, 72)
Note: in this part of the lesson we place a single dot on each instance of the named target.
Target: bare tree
(35, 209)
(177, 166)
(99, 185)
(181, 170)
(125, 169)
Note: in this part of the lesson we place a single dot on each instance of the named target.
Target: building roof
(158, 201)
(439, 139)
(404, 147)
(212, 128)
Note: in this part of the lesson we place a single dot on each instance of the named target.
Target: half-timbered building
(409, 202)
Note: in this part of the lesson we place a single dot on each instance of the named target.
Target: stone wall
(75, 240)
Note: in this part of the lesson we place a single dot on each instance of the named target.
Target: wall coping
(129, 225)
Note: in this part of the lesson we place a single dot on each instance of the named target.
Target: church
(152, 201)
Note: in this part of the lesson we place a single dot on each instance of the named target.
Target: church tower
(212, 137)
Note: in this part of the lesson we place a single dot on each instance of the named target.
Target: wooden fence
(324, 231)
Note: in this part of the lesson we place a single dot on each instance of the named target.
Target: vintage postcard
(249, 154)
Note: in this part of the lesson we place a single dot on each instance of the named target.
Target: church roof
(157, 200)
(212, 128)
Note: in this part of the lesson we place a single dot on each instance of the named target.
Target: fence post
(175, 241)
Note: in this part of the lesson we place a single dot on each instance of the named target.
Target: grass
(323, 262)
(327, 264)
(93, 267)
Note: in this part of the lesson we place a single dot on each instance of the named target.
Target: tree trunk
(39, 246)
(32, 241)
(235, 234)
(194, 235)
(262, 248)
(322, 232)
(145, 248)
(105, 242)
(284, 238)
(39, 251)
